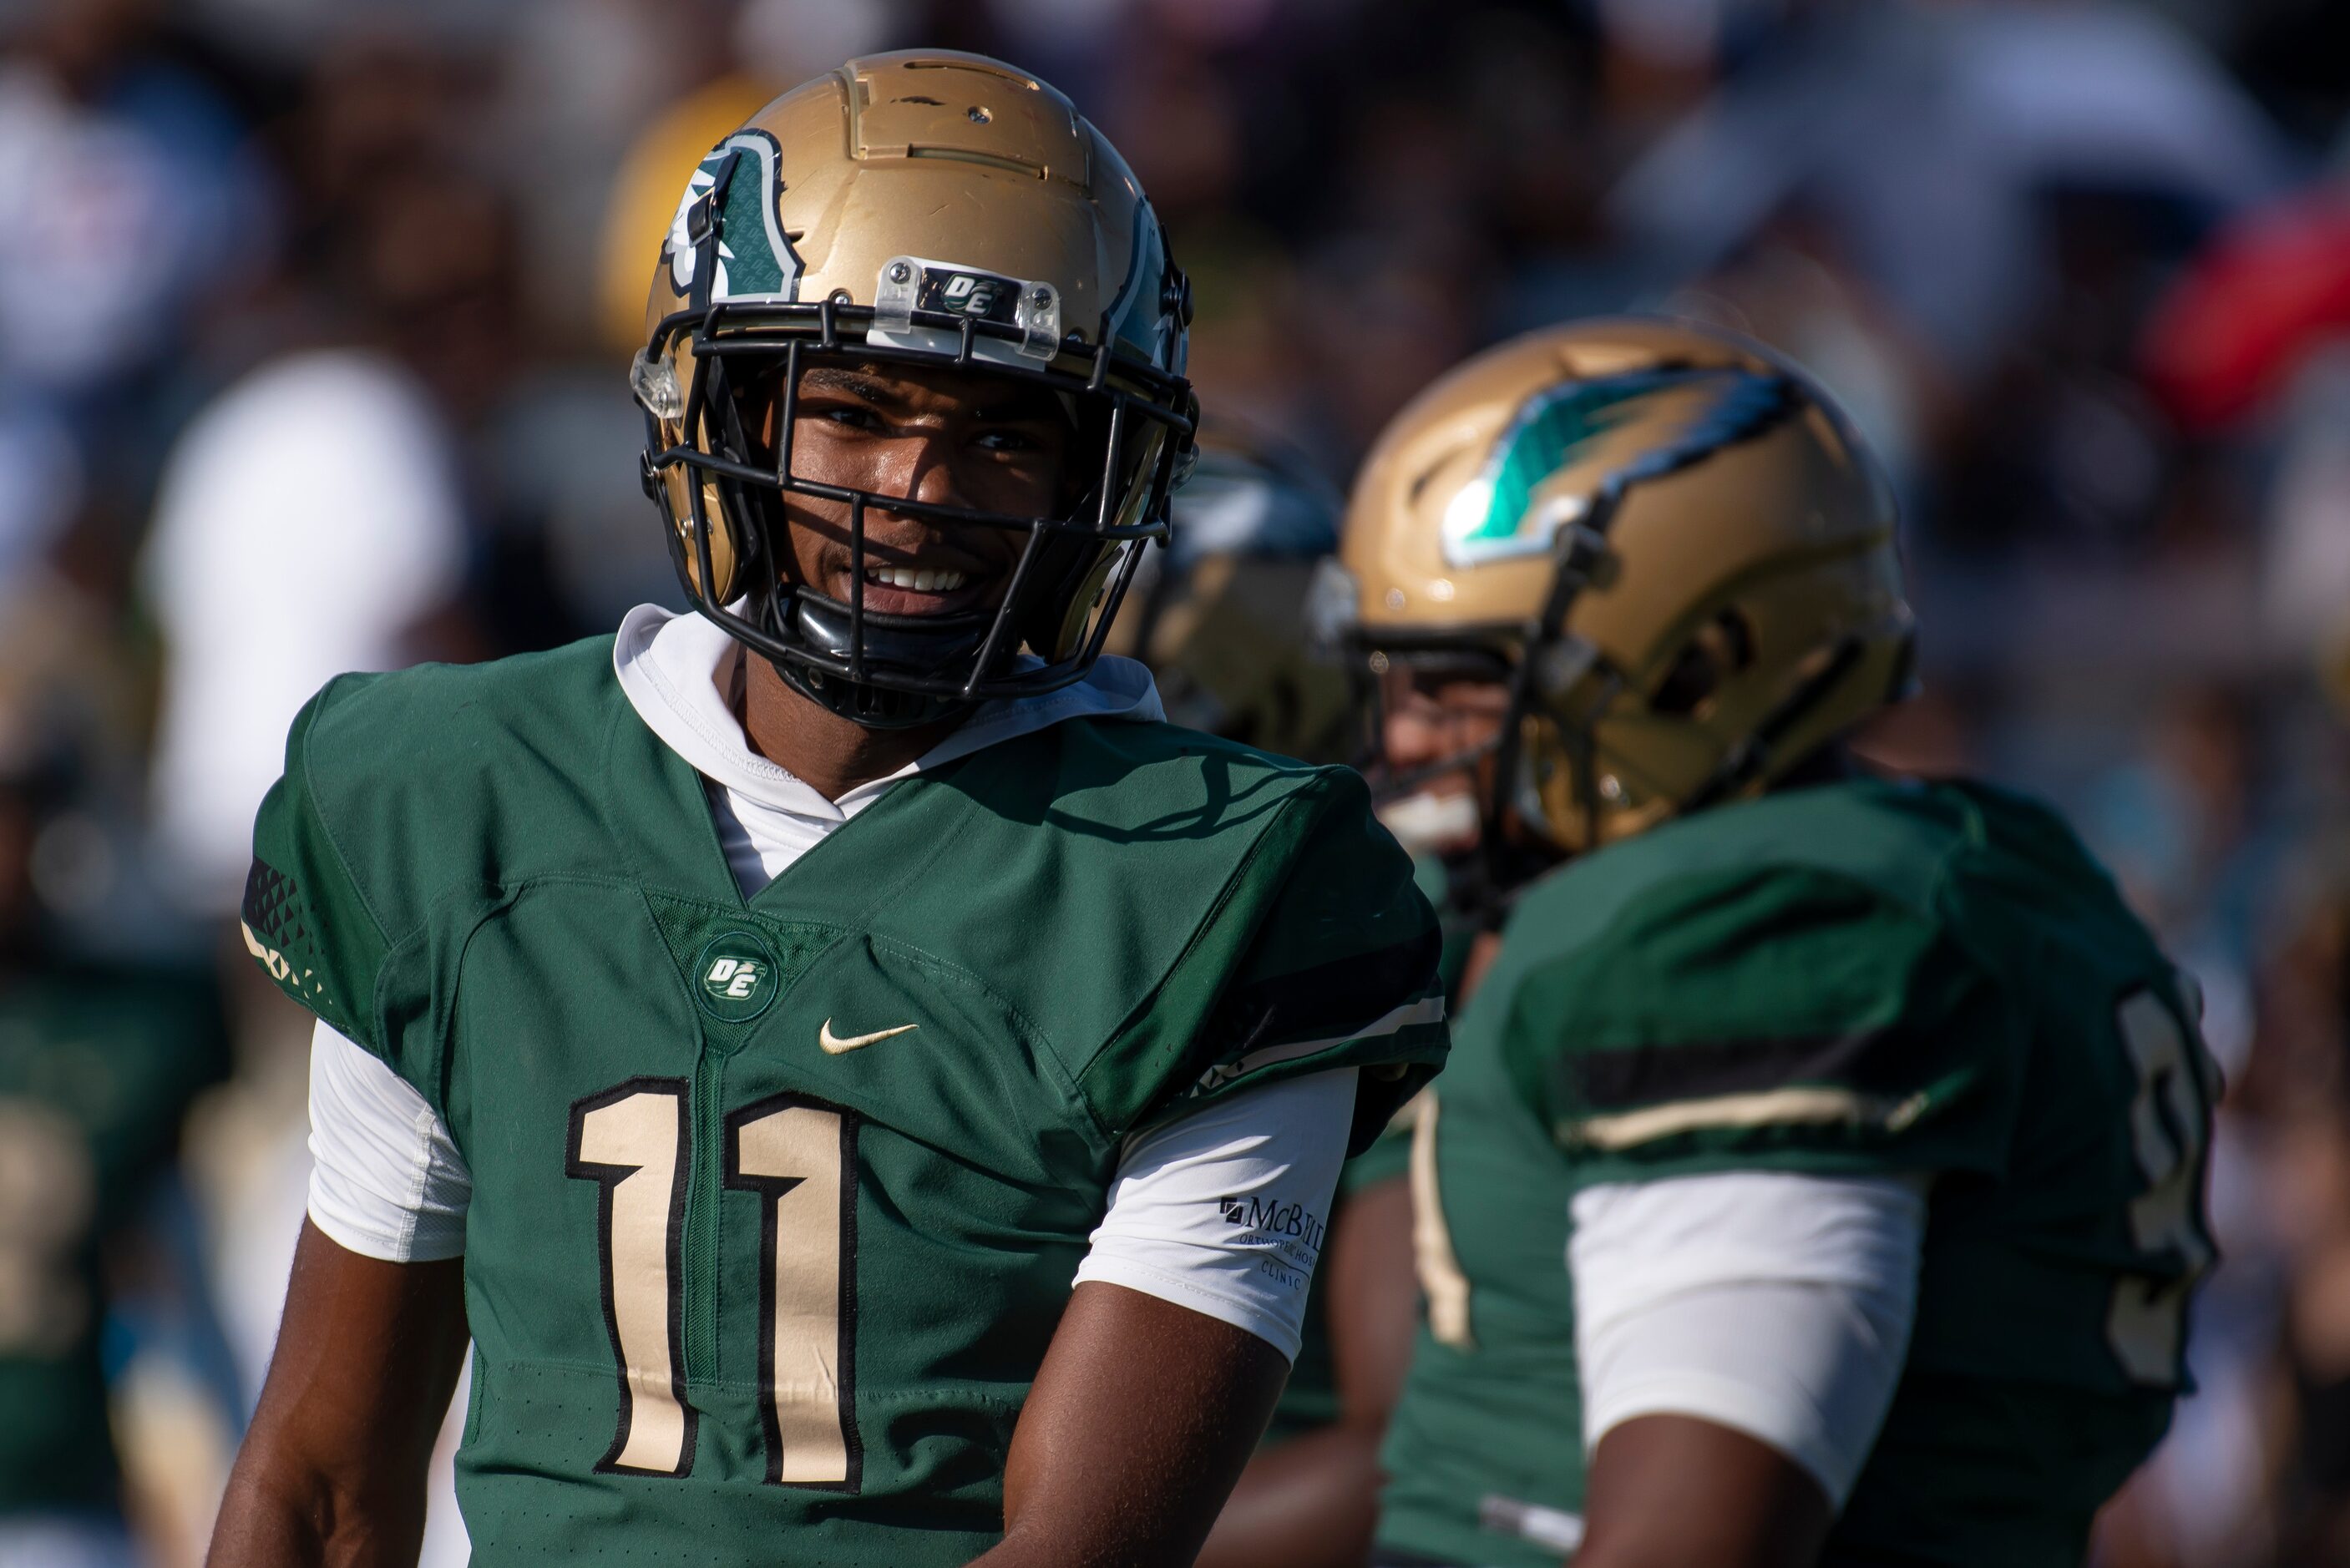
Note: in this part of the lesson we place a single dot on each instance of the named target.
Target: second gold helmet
(1668, 539)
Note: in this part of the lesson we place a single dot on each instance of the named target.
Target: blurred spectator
(2307, 587)
(1383, 314)
(2247, 315)
(1925, 133)
(310, 521)
(117, 177)
(125, 195)
(326, 512)
(40, 486)
(314, 518)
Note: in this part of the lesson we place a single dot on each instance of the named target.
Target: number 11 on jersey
(799, 1157)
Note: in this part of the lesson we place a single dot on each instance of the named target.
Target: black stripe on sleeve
(1326, 999)
(1878, 1060)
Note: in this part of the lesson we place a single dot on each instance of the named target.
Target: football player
(1219, 615)
(99, 1064)
(871, 1088)
(1819, 1175)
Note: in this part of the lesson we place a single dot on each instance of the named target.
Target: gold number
(48, 1195)
(630, 1141)
(2169, 1129)
(1441, 1279)
(800, 1157)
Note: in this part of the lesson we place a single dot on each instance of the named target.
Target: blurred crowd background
(314, 321)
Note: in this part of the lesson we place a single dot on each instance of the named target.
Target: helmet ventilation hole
(1719, 649)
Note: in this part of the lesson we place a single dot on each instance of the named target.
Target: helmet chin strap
(703, 221)
(1750, 759)
(798, 614)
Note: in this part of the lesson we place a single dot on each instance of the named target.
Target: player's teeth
(917, 579)
(924, 581)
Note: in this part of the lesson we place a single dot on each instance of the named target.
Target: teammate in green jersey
(1819, 1175)
(98, 1063)
(871, 1089)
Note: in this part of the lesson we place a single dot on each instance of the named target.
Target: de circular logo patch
(735, 976)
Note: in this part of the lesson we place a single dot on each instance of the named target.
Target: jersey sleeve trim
(1800, 1106)
(1777, 1016)
(1428, 1012)
(1644, 1074)
(305, 918)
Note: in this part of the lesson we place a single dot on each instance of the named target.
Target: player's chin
(1442, 822)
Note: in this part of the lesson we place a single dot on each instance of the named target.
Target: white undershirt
(1777, 1304)
(1219, 1212)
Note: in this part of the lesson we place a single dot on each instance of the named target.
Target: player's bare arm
(1688, 1493)
(1141, 1418)
(332, 1470)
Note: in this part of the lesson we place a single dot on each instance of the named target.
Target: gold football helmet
(1220, 615)
(1664, 538)
(927, 208)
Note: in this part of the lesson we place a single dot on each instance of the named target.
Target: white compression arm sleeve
(1778, 1306)
(1224, 1211)
(386, 1180)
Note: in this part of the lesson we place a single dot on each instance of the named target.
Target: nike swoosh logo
(835, 1045)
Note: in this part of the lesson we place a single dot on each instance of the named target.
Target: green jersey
(96, 1070)
(1310, 1398)
(1860, 977)
(778, 1200)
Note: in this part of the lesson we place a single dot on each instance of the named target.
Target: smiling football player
(870, 1088)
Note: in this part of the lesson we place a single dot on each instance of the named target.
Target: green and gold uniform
(1861, 977)
(1310, 1398)
(98, 1066)
(776, 1201)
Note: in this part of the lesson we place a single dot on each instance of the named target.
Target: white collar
(674, 669)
